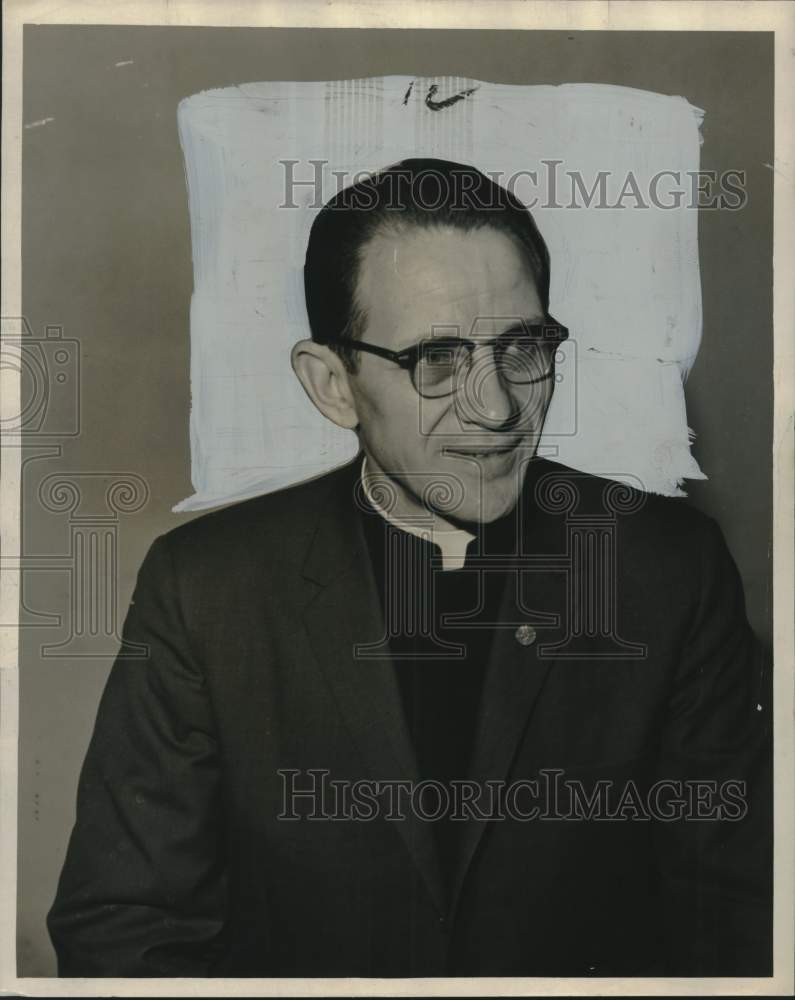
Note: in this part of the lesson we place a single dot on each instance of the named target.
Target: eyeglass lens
(442, 366)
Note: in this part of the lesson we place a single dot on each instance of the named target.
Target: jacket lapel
(344, 616)
(516, 673)
(346, 613)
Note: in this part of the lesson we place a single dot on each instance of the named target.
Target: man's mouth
(481, 452)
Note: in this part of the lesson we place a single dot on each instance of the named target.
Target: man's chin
(482, 501)
(476, 516)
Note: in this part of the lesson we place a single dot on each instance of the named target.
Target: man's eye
(522, 345)
(438, 355)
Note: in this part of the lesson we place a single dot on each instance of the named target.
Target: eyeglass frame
(409, 357)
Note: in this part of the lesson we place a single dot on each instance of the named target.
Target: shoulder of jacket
(623, 500)
(275, 518)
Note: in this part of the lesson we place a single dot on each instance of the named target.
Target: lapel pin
(525, 635)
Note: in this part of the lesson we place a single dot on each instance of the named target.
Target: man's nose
(484, 399)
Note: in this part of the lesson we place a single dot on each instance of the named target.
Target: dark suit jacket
(178, 864)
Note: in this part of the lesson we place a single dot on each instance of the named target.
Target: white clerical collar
(452, 542)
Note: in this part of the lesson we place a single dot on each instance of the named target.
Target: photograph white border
(777, 16)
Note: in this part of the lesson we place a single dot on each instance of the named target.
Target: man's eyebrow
(441, 338)
(515, 325)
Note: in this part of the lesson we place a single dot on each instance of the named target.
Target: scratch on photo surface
(125, 62)
(771, 166)
(41, 121)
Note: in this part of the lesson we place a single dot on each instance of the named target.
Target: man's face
(412, 282)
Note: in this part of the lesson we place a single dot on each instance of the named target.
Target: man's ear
(325, 380)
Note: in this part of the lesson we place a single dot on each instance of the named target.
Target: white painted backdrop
(624, 280)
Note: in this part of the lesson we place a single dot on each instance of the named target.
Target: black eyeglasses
(523, 355)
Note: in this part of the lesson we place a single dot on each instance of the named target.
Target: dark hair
(423, 192)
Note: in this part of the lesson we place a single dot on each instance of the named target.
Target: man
(451, 709)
